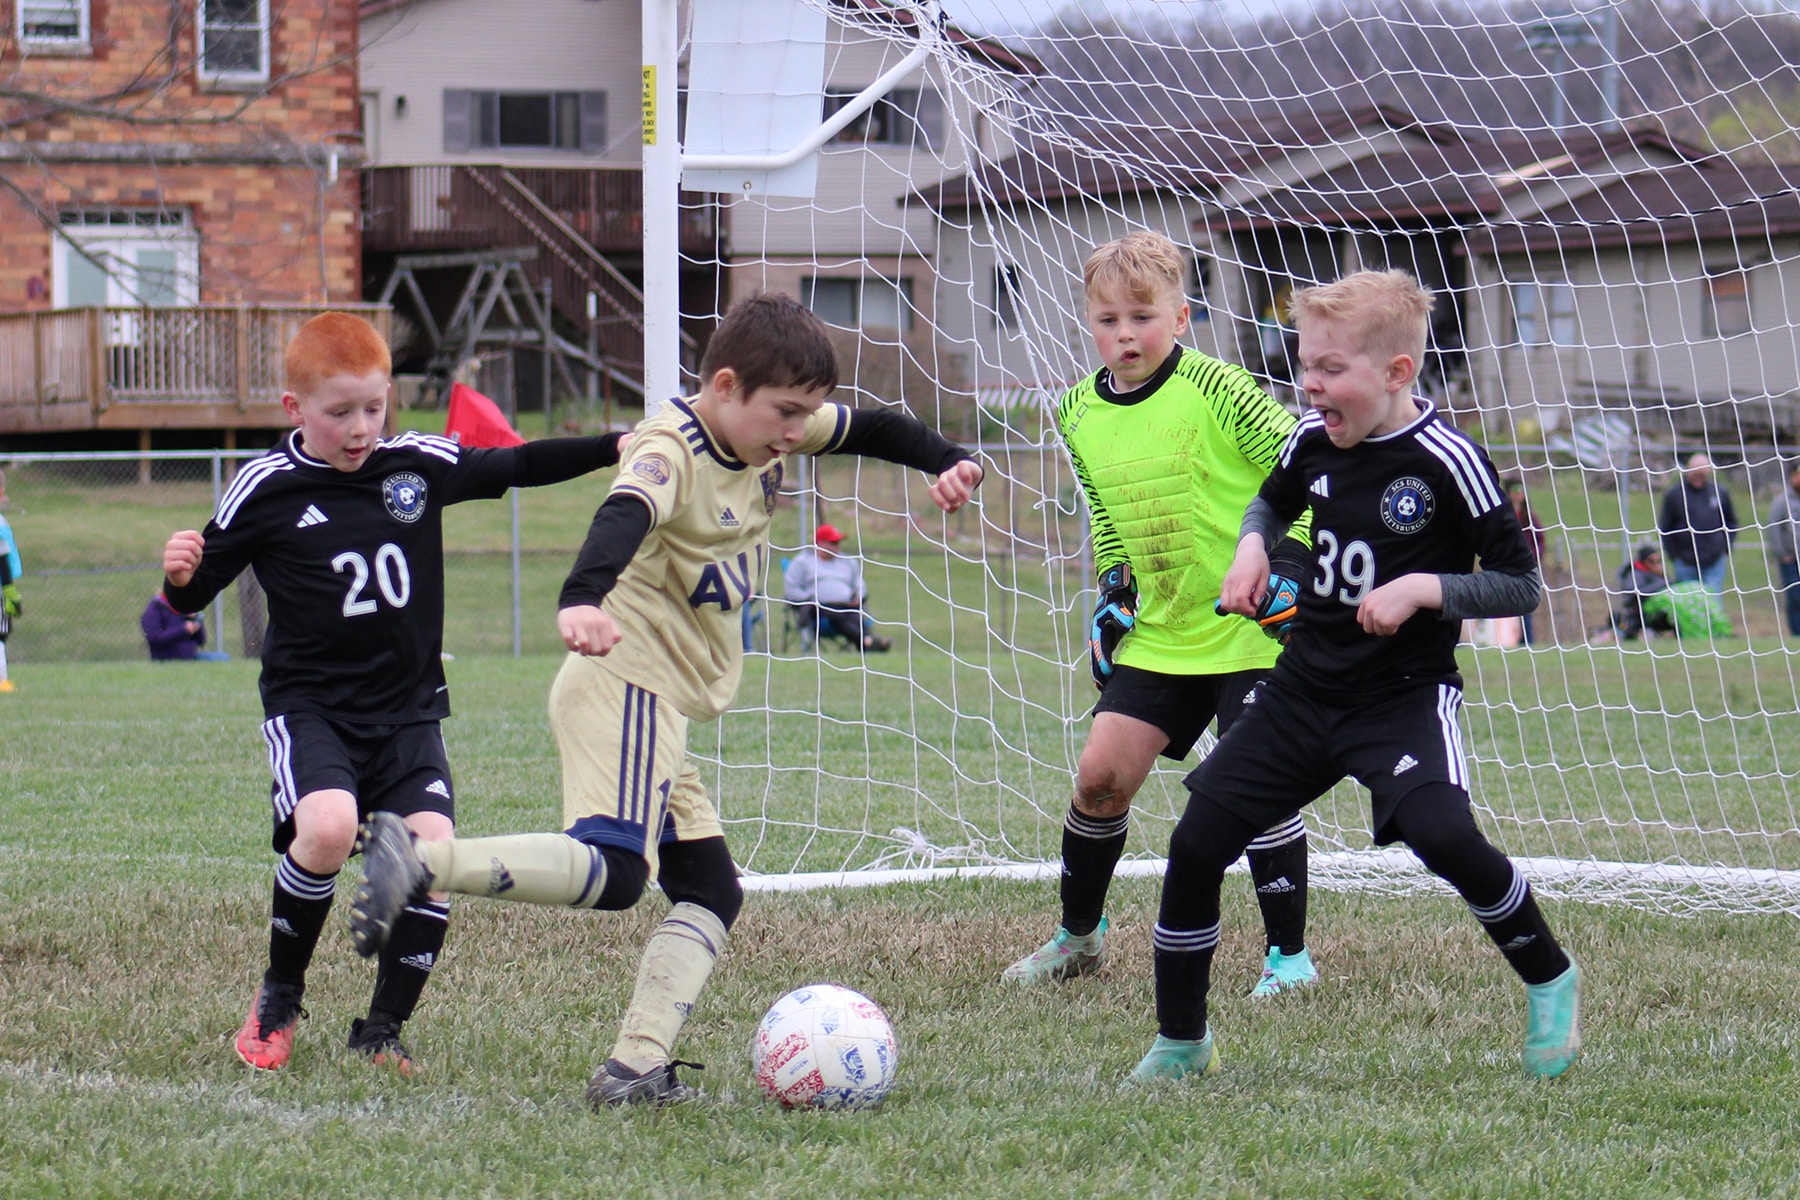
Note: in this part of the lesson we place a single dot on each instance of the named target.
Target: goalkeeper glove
(1114, 615)
(14, 605)
(1279, 607)
(1277, 610)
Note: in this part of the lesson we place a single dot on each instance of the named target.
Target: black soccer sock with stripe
(1183, 977)
(1090, 850)
(407, 960)
(1518, 927)
(1436, 822)
(1278, 868)
(297, 915)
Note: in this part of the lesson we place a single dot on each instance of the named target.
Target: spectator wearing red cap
(827, 590)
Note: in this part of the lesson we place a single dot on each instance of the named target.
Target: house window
(1199, 281)
(1544, 313)
(126, 258)
(1006, 296)
(1725, 304)
(903, 117)
(574, 121)
(871, 302)
(52, 23)
(234, 41)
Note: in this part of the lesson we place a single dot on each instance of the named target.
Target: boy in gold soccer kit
(651, 613)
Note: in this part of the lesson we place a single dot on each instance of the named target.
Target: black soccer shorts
(401, 769)
(1288, 749)
(1182, 706)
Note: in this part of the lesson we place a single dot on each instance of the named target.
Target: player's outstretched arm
(181, 556)
(951, 490)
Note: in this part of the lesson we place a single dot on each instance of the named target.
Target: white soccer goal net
(1603, 199)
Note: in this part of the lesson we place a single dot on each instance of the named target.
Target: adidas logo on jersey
(312, 516)
(419, 962)
(438, 787)
(1321, 486)
(728, 519)
(1407, 762)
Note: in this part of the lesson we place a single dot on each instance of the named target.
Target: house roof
(1711, 200)
(1442, 177)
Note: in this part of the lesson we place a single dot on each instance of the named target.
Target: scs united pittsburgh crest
(404, 494)
(1407, 505)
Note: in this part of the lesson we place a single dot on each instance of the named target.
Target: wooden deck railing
(444, 207)
(85, 368)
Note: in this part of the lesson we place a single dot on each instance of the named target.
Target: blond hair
(1388, 308)
(1146, 266)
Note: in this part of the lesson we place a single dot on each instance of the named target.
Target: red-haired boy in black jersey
(1402, 505)
(344, 529)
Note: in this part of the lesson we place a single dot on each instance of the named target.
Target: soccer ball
(825, 1046)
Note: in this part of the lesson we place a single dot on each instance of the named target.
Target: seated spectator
(176, 636)
(1643, 576)
(827, 590)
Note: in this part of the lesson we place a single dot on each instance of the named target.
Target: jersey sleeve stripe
(244, 484)
(627, 489)
(1307, 423)
(840, 429)
(1477, 486)
(428, 443)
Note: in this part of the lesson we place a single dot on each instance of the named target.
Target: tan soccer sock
(675, 967)
(536, 868)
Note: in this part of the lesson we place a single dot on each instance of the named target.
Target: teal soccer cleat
(1062, 957)
(1285, 972)
(1553, 1036)
(1171, 1058)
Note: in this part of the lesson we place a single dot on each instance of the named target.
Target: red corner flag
(474, 420)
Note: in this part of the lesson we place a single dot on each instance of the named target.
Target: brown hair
(1146, 266)
(772, 341)
(1388, 308)
(334, 343)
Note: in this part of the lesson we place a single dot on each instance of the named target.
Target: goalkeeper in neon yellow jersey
(1170, 446)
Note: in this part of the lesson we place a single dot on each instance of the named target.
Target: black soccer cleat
(380, 1043)
(616, 1084)
(392, 878)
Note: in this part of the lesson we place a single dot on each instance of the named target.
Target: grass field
(134, 875)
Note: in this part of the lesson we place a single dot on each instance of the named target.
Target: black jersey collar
(1413, 426)
(702, 438)
(1143, 391)
(301, 456)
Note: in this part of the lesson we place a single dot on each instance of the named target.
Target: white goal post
(1604, 198)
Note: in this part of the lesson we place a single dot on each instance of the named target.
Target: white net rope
(1604, 202)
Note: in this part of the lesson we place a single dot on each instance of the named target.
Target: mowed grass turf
(134, 880)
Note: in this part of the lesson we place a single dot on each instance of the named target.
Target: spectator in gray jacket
(1698, 524)
(1781, 533)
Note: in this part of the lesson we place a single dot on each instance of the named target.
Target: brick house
(178, 155)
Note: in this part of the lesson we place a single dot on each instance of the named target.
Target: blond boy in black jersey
(652, 616)
(344, 531)
(1402, 507)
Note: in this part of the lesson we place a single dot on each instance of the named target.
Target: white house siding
(1640, 326)
(420, 50)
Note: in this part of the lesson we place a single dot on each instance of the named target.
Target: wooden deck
(210, 367)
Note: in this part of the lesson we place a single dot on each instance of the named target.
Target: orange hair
(334, 343)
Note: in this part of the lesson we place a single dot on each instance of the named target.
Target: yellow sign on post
(650, 104)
